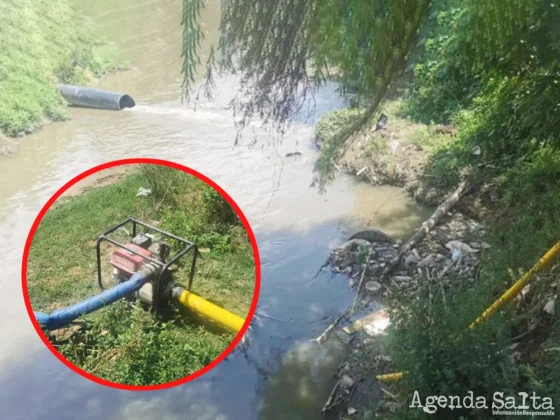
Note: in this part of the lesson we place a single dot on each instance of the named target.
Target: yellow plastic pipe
(213, 312)
(514, 290)
(508, 295)
(390, 377)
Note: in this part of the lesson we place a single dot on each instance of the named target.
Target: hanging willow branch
(283, 50)
(192, 36)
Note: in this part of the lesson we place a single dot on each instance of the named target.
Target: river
(281, 376)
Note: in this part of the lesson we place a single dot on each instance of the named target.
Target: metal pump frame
(156, 298)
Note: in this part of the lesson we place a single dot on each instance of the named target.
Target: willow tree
(284, 50)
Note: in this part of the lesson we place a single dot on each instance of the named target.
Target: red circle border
(177, 166)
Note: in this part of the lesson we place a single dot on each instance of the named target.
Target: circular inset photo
(141, 274)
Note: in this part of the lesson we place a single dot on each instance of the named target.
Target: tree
(285, 50)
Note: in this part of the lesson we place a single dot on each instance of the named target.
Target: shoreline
(68, 49)
(444, 281)
(449, 254)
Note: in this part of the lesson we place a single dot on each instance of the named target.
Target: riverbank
(401, 155)
(124, 343)
(480, 248)
(44, 44)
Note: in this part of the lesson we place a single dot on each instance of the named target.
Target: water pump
(142, 270)
(151, 246)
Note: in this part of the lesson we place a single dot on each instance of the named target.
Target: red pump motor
(126, 263)
(141, 249)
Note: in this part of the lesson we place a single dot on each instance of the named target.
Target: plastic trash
(456, 254)
(143, 192)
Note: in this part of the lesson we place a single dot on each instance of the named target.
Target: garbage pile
(449, 252)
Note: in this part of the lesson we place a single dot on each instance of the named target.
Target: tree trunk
(427, 226)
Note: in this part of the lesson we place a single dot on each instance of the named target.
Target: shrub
(429, 340)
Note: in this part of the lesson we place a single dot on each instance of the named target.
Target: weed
(125, 345)
(429, 340)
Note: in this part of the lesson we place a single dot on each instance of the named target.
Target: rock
(461, 246)
(476, 151)
(373, 286)
(351, 411)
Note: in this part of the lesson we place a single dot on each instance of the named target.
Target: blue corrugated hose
(61, 317)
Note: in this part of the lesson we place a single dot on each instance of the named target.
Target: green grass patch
(44, 43)
(124, 342)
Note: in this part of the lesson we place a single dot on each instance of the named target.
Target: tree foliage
(284, 50)
(499, 58)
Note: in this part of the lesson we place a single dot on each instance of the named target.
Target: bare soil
(393, 156)
(99, 179)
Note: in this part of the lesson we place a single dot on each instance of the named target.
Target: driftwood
(361, 281)
(329, 329)
(427, 226)
(340, 392)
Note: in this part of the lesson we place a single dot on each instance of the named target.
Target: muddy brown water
(281, 376)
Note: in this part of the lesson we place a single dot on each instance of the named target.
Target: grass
(43, 43)
(124, 343)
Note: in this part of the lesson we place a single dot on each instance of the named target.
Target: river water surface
(281, 376)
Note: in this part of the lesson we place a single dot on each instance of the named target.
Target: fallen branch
(321, 268)
(263, 315)
(326, 333)
(361, 281)
(427, 226)
(331, 400)
(393, 396)
(342, 390)
(361, 171)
